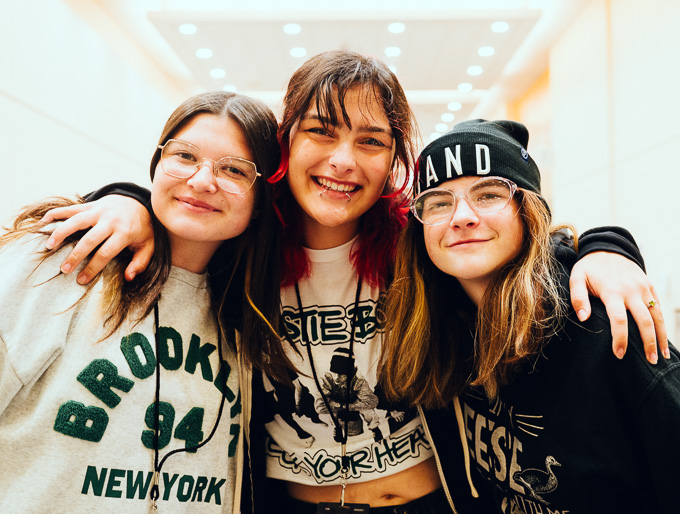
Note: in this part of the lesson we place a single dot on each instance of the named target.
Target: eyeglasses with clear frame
(180, 159)
(487, 195)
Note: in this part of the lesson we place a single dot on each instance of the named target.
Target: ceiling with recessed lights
(451, 56)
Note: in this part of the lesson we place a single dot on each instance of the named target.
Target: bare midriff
(397, 489)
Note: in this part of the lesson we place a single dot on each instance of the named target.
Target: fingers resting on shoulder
(113, 223)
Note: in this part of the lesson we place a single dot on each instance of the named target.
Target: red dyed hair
(324, 80)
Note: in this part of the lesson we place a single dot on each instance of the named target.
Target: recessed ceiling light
(486, 51)
(441, 127)
(474, 70)
(396, 28)
(465, 87)
(447, 117)
(230, 88)
(204, 53)
(454, 106)
(188, 29)
(298, 51)
(500, 26)
(392, 68)
(218, 73)
(392, 51)
(292, 28)
(434, 136)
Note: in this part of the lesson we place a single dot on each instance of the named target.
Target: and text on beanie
(480, 148)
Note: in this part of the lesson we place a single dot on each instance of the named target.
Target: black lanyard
(340, 433)
(154, 494)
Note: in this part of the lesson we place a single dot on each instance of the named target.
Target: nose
(463, 215)
(204, 179)
(342, 157)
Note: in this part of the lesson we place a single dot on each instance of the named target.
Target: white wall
(616, 133)
(75, 113)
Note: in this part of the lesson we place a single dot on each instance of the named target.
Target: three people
(125, 395)
(316, 435)
(548, 418)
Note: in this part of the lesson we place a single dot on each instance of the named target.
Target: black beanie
(479, 148)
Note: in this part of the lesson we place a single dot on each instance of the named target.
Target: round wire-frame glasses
(180, 159)
(487, 195)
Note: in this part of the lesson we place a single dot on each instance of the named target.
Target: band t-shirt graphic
(383, 438)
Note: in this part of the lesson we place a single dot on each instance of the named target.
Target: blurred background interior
(86, 86)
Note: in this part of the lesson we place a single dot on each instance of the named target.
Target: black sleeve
(139, 193)
(601, 239)
(610, 239)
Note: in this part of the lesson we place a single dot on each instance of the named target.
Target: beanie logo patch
(525, 155)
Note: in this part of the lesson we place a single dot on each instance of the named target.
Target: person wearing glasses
(544, 417)
(348, 142)
(124, 396)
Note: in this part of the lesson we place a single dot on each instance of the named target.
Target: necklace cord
(341, 435)
(157, 467)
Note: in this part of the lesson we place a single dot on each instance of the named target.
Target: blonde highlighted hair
(436, 345)
(119, 298)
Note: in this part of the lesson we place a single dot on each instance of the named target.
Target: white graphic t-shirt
(383, 438)
(77, 415)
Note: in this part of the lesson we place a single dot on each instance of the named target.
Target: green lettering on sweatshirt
(93, 479)
(221, 381)
(201, 484)
(198, 354)
(129, 345)
(114, 482)
(234, 431)
(168, 482)
(214, 490)
(167, 335)
(111, 482)
(76, 420)
(137, 483)
(166, 420)
(100, 376)
(236, 408)
(184, 488)
(190, 429)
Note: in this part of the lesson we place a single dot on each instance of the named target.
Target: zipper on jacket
(246, 389)
(436, 459)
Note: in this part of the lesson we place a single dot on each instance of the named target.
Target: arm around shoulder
(129, 189)
(610, 267)
(116, 217)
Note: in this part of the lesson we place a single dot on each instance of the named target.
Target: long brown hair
(227, 266)
(435, 343)
(120, 299)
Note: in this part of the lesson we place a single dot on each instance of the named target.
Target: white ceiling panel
(440, 41)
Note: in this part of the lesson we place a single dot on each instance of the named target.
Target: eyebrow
(361, 128)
